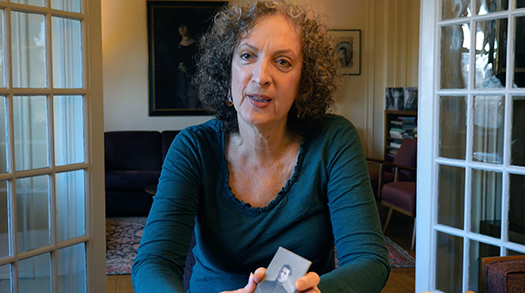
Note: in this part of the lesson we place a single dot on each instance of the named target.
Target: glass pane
(67, 53)
(512, 252)
(67, 5)
(2, 54)
(491, 54)
(485, 7)
(30, 132)
(516, 204)
(4, 225)
(486, 202)
(32, 197)
(455, 48)
(453, 127)
(30, 2)
(5, 283)
(71, 264)
(70, 198)
(3, 141)
(28, 50)
(520, 3)
(34, 274)
(69, 129)
(519, 59)
(517, 147)
(477, 252)
(456, 8)
(451, 191)
(449, 263)
(489, 114)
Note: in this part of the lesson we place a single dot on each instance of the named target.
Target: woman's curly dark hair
(231, 25)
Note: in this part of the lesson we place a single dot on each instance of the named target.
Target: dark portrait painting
(174, 30)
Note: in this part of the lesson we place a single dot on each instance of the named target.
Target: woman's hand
(255, 278)
(308, 283)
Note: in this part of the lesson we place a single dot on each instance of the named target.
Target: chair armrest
(375, 160)
(390, 164)
(401, 167)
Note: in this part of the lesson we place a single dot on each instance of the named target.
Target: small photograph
(394, 99)
(284, 270)
(410, 98)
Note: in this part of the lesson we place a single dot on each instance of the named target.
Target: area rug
(123, 239)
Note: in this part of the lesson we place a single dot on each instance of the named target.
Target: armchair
(502, 274)
(406, 156)
(394, 184)
(400, 196)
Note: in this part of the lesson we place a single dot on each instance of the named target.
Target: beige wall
(388, 57)
(394, 43)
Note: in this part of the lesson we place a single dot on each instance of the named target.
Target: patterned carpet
(123, 238)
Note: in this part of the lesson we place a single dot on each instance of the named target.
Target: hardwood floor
(401, 280)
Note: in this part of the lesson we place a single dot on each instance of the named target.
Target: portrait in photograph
(410, 94)
(284, 270)
(394, 98)
(174, 29)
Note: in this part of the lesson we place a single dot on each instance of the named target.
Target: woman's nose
(261, 74)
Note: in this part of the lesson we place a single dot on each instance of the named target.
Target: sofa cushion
(131, 180)
(133, 150)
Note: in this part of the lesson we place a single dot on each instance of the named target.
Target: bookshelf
(399, 125)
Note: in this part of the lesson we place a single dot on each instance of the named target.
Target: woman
(185, 54)
(274, 169)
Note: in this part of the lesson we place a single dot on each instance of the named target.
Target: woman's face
(266, 69)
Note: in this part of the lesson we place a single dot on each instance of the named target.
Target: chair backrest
(407, 156)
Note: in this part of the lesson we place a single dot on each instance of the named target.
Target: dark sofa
(133, 160)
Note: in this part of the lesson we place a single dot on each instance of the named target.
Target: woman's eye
(283, 62)
(246, 56)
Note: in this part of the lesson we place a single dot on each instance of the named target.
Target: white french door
(52, 231)
(471, 147)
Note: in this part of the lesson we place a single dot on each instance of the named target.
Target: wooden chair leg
(413, 235)
(387, 220)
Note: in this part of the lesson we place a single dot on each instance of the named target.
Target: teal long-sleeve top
(327, 200)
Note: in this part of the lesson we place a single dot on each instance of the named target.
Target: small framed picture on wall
(348, 50)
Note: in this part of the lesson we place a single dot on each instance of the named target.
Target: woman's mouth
(260, 99)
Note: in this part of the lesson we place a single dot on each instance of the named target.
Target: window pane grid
(48, 253)
(488, 150)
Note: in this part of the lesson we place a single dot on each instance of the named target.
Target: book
(395, 144)
(397, 129)
(401, 122)
(398, 136)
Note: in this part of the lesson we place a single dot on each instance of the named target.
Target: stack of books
(394, 147)
(403, 127)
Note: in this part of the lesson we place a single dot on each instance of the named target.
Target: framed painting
(348, 50)
(174, 29)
